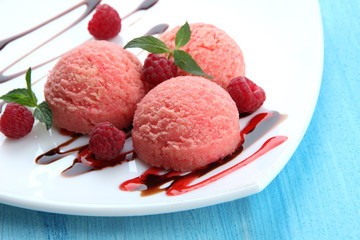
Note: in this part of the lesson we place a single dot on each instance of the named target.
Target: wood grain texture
(316, 196)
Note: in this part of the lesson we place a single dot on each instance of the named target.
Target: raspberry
(157, 69)
(16, 121)
(105, 24)
(246, 94)
(106, 141)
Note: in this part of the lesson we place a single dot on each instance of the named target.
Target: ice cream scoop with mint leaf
(213, 49)
(185, 122)
(158, 68)
(198, 49)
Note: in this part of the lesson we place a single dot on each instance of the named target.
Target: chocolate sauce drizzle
(56, 153)
(90, 6)
(145, 5)
(85, 161)
(150, 181)
(160, 28)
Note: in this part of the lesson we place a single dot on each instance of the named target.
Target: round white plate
(283, 48)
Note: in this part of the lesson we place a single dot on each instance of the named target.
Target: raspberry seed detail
(105, 23)
(16, 121)
(246, 94)
(106, 141)
(157, 69)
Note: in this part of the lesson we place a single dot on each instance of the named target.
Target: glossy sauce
(152, 180)
(90, 6)
(85, 161)
(160, 28)
(56, 153)
(145, 5)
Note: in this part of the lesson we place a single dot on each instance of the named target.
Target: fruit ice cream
(96, 82)
(214, 51)
(185, 123)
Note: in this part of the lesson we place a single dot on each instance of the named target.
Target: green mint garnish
(26, 97)
(181, 58)
(184, 61)
(148, 43)
(182, 36)
(20, 96)
(43, 113)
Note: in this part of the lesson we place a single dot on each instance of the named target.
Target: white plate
(283, 48)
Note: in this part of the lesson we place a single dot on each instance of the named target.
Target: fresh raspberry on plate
(157, 69)
(246, 94)
(105, 23)
(106, 141)
(16, 121)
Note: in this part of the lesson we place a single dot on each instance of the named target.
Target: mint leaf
(181, 58)
(20, 96)
(28, 84)
(148, 43)
(28, 79)
(43, 114)
(184, 61)
(182, 36)
(26, 97)
(23, 96)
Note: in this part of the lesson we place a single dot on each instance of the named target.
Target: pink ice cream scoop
(96, 82)
(214, 51)
(185, 123)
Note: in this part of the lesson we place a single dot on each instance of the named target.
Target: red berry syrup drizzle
(150, 181)
(90, 6)
(85, 160)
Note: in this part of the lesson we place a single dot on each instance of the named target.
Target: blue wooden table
(316, 196)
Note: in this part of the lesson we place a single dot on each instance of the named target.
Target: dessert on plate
(214, 51)
(185, 123)
(98, 81)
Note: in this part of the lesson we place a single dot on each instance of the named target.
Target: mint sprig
(181, 58)
(26, 97)
(183, 36)
(148, 43)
